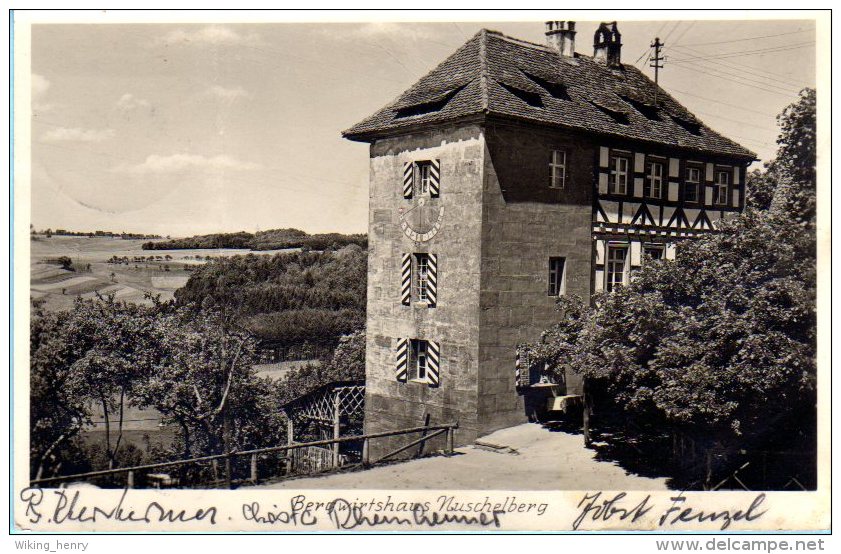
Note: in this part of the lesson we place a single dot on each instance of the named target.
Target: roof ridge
(483, 69)
(526, 43)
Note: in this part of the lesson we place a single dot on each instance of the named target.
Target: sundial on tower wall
(422, 216)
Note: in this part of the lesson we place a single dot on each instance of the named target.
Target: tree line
(274, 239)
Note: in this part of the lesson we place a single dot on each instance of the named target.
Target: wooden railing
(428, 432)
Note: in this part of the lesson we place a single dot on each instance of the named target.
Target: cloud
(40, 86)
(228, 94)
(76, 134)
(129, 102)
(213, 34)
(156, 164)
(377, 29)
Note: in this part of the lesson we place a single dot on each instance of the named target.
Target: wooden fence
(148, 472)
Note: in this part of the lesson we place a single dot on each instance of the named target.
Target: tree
(205, 383)
(84, 357)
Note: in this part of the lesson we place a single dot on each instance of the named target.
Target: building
(512, 173)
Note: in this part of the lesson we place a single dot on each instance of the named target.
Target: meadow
(159, 272)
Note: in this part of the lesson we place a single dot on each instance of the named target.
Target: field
(159, 272)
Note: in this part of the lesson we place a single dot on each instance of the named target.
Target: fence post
(337, 404)
(254, 468)
(423, 434)
(130, 480)
(366, 453)
(290, 438)
(450, 440)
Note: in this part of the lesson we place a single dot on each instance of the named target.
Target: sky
(179, 129)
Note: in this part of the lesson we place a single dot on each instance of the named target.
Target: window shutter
(639, 163)
(604, 156)
(636, 254)
(435, 178)
(674, 167)
(709, 196)
(401, 368)
(432, 279)
(517, 368)
(406, 279)
(433, 363)
(408, 179)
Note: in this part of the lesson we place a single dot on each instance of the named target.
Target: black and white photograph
(421, 271)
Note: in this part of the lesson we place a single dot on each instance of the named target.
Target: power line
(677, 24)
(683, 34)
(773, 81)
(736, 121)
(745, 67)
(734, 54)
(749, 38)
(718, 102)
(646, 51)
(729, 77)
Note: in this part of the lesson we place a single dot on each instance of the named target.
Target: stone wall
(524, 224)
(454, 321)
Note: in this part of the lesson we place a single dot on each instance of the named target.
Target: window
(419, 362)
(652, 251)
(722, 186)
(424, 178)
(619, 174)
(422, 278)
(690, 187)
(653, 180)
(616, 258)
(558, 167)
(557, 283)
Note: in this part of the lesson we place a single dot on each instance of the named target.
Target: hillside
(298, 303)
(273, 239)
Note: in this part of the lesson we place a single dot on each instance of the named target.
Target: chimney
(607, 45)
(560, 35)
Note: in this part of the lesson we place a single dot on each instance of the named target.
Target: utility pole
(655, 63)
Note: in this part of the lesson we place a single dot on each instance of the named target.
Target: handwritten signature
(69, 507)
(344, 514)
(598, 508)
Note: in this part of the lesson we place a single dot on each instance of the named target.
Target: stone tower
(511, 174)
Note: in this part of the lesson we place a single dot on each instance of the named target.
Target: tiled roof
(498, 75)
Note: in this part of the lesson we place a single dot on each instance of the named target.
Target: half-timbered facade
(511, 174)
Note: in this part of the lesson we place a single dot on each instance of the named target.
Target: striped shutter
(406, 279)
(433, 366)
(517, 369)
(435, 178)
(432, 279)
(408, 179)
(401, 367)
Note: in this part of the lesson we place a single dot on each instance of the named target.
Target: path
(547, 460)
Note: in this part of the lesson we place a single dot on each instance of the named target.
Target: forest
(273, 239)
(298, 303)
